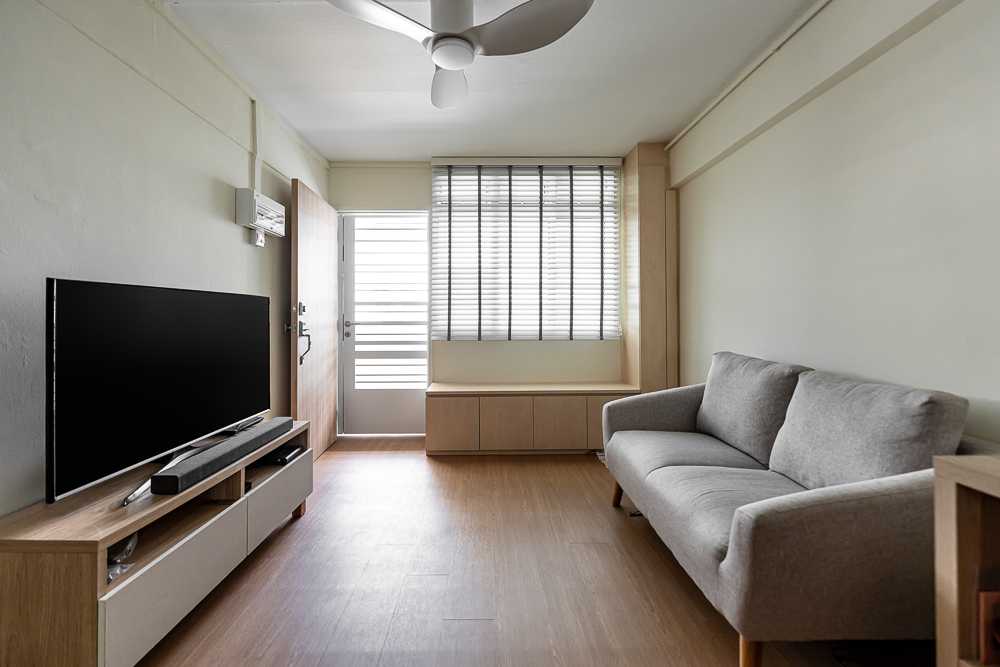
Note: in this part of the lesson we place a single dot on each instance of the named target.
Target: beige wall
(527, 361)
(380, 186)
(121, 145)
(860, 233)
(407, 186)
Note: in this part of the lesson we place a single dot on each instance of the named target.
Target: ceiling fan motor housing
(452, 16)
(452, 52)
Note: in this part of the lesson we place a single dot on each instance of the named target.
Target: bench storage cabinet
(508, 418)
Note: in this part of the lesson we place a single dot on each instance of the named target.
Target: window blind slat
(524, 253)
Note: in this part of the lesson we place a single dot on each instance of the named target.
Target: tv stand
(56, 605)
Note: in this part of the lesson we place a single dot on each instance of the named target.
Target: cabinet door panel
(269, 504)
(595, 428)
(505, 422)
(141, 611)
(560, 422)
(452, 423)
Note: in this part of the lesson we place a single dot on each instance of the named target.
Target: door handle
(304, 333)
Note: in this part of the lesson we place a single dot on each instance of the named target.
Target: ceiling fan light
(449, 88)
(452, 53)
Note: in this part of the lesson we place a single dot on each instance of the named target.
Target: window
(386, 300)
(524, 252)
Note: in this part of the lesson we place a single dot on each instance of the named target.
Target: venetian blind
(525, 252)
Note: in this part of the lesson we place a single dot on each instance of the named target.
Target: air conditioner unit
(256, 211)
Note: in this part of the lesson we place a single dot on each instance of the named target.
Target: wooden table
(966, 551)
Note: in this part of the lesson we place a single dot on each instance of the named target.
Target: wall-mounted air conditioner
(256, 211)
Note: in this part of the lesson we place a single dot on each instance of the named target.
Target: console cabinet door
(452, 423)
(560, 422)
(270, 504)
(505, 422)
(133, 617)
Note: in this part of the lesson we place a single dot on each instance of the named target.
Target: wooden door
(315, 310)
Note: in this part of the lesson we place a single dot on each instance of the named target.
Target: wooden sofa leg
(750, 653)
(616, 499)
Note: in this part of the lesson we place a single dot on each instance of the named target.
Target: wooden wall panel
(652, 265)
(649, 263)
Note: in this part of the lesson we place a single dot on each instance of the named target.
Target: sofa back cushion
(745, 401)
(840, 430)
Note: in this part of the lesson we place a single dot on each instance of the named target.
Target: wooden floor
(508, 560)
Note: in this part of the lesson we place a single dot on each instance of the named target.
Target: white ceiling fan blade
(376, 13)
(449, 88)
(527, 27)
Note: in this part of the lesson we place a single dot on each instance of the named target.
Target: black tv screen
(136, 372)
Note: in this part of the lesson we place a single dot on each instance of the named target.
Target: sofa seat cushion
(745, 401)
(692, 508)
(839, 430)
(632, 455)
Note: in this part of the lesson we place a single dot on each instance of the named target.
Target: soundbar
(192, 470)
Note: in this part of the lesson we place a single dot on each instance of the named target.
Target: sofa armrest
(667, 410)
(850, 561)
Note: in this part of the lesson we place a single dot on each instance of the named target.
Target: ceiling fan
(455, 41)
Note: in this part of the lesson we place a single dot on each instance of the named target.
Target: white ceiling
(630, 71)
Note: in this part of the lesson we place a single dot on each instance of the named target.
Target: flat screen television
(134, 373)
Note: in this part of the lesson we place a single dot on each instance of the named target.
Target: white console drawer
(269, 504)
(142, 610)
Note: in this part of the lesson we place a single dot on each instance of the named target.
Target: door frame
(341, 286)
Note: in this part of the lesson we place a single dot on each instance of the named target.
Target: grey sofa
(800, 502)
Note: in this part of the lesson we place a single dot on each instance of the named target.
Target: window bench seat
(518, 418)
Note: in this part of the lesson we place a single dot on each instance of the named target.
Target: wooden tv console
(56, 606)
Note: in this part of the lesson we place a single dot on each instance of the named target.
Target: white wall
(407, 186)
(120, 145)
(860, 233)
(841, 39)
